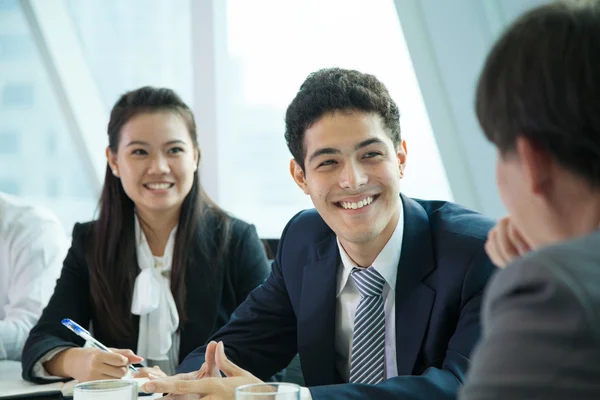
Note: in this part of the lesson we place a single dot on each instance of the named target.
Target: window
(268, 58)
(30, 119)
(129, 44)
(126, 45)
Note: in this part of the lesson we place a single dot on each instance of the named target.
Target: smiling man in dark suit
(378, 293)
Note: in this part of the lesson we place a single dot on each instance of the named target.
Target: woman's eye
(175, 150)
(139, 152)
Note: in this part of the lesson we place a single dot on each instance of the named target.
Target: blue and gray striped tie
(368, 341)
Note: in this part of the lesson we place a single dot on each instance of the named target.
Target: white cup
(110, 389)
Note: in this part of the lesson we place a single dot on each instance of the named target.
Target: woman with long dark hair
(161, 269)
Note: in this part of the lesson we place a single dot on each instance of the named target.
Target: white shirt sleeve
(32, 249)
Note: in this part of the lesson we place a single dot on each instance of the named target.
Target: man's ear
(402, 153)
(299, 177)
(537, 165)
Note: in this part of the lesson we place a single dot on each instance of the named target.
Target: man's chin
(360, 235)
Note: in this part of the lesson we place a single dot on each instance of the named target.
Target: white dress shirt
(348, 297)
(33, 245)
(158, 342)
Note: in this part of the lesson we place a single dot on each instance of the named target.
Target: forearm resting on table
(58, 365)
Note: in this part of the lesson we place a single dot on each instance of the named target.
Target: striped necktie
(368, 342)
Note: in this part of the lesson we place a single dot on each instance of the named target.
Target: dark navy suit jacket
(441, 276)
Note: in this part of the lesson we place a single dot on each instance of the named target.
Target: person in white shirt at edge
(378, 293)
(162, 267)
(33, 245)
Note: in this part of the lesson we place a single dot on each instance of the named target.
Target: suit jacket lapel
(414, 300)
(316, 320)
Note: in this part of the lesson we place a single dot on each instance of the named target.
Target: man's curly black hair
(336, 89)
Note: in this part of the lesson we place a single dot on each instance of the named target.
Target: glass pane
(272, 46)
(133, 43)
(38, 158)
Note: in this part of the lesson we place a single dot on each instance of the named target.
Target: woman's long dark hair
(112, 255)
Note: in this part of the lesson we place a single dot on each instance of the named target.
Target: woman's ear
(197, 155)
(111, 159)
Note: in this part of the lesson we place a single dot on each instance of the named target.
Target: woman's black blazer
(211, 296)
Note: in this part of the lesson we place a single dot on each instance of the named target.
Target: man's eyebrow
(320, 152)
(331, 150)
(367, 143)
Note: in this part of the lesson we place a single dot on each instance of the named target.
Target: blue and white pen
(84, 334)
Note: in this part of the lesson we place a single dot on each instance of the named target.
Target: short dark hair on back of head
(336, 89)
(542, 81)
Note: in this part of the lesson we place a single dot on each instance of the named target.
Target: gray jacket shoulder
(540, 327)
(571, 267)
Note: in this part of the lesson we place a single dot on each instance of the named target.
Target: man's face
(352, 174)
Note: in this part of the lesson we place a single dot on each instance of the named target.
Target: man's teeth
(158, 186)
(353, 206)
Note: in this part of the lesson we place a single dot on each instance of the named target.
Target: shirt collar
(144, 254)
(386, 262)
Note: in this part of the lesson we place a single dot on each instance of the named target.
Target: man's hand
(155, 371)
(505, 243)
(210, 369)
(205, 386)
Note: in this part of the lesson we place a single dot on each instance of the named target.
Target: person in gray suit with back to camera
(538, 102)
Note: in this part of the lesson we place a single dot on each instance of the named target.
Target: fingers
(223, 363)
(130, 355)
(114, 359)
(211, 368)
(110, 371)
(179, 377)
(492, 248)
(177, 386)
(152, 373)
(506, 248)
(518, 240)
(505, 243)
(493, 244)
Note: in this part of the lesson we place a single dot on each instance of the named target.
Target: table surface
(10, 372)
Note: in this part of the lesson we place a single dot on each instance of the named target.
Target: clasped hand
(206, 383)
(505, 243)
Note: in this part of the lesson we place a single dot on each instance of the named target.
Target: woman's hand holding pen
(90, 364)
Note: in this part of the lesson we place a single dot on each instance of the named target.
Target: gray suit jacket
(541, 327)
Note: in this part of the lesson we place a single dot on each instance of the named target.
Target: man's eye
(328, 162)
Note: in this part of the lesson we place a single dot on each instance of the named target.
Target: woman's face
(156, 161)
